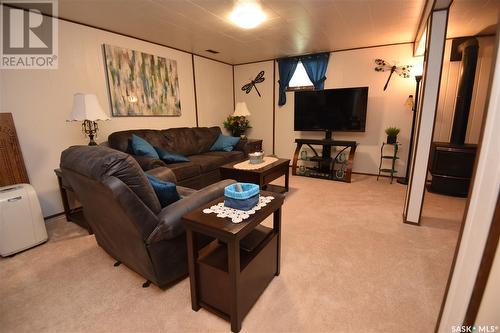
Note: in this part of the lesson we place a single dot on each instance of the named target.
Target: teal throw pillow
(165, 191)
(170, 157)
(225, 143)
(141, 147)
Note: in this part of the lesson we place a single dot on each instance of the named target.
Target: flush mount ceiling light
(247, 14)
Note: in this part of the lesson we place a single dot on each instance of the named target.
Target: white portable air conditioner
(21, 221)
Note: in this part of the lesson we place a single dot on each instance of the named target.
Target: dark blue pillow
(141, 147)
(225, 143)
(165, 191)
(170, 157)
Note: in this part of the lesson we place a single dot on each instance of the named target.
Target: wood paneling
(448, 92)
(12, 169)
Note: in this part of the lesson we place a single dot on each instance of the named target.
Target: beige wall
(261, 108)
(448, 92)
(40, 100)
(214, 91)
(385, 108)
(346, 69)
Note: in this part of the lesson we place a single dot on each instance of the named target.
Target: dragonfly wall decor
(383, 66)
(258, 79)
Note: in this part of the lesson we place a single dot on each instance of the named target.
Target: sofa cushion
(165, 191)
(190, 141)
(208, 162)
(122, 140)
(170, 157)
(141, 147)
(185, 170)
(225, 143)
(228, 156)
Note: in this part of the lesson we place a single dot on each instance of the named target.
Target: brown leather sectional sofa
(194, 143)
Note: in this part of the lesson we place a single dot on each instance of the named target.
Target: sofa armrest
(185, 191)
(148, 163)
(170, 225)
(163, 173)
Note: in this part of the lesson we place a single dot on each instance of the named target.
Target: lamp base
(92, 142)
(90, 128)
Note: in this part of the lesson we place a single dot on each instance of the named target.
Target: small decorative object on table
(392, 134)
(242, 196)
(303, 155)
(256, 158)
(237, 122)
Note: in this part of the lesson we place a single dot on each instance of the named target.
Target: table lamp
(86, 108)
(241, 110)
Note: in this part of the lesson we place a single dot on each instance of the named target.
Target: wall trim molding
(331, 51)
(274, 106)
(234, 92)
(194, 89)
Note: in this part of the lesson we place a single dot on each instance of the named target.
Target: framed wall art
(141, 84)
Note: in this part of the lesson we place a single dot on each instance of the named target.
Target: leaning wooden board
(12, 168)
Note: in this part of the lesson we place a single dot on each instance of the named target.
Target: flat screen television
(342, 110)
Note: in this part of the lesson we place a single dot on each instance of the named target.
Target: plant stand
(392, 157)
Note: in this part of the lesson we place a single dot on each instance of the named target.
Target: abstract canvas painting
(141, 84)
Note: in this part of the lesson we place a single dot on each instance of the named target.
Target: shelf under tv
(325, 168)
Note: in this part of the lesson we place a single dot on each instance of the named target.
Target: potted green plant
(392, 134)
(237, 125)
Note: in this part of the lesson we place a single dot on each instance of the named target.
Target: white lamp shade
(86, 107)
(241, 110)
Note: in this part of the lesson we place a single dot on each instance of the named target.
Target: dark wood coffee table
(262, 176)
(228, 275)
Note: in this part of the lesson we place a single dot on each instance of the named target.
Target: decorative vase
(392, 139)
(237, 132)
(303, 155)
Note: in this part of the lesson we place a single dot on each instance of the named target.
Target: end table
(228, 275)
(73, 214)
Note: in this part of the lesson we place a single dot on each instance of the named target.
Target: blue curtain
(315, 66)
(286, 68)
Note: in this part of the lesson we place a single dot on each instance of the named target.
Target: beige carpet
(348, 265)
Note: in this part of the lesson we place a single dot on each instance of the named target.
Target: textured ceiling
(293, 26)
(473, 17)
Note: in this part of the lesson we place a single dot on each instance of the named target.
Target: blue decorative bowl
(245, 200)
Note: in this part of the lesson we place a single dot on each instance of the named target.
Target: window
(300, 80)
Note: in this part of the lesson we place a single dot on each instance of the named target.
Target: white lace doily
(236, 215)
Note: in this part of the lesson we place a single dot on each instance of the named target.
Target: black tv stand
(325, 162)
(327, 150)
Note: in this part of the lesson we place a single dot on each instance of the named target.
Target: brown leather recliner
(124, 212)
